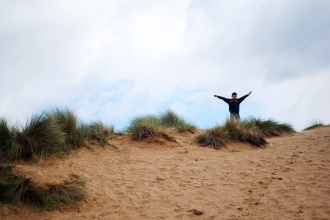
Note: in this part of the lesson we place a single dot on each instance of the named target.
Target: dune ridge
(288, 179)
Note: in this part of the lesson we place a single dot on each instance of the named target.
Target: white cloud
(113, 60)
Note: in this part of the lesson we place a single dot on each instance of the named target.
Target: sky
(115, 60)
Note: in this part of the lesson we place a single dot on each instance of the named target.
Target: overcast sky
(114, 60)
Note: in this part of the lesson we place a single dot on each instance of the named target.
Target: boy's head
(234, 95)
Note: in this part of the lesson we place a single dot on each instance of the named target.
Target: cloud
(113, 60)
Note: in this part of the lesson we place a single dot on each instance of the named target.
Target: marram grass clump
(145, 127)
(101, 132)
(252, 131)
(266, 128)
(78, 132)
(148, 126)
(214, 137)
(6, 137)
(314, 124)
(50, 133)
(40, 136)
(17, 189)
(67, 121)
(170, 119)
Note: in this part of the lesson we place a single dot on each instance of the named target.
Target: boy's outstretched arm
(243, 97)
(224, 99)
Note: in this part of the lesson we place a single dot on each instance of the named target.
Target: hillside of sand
(288, 179)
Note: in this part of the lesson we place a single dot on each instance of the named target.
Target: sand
(288, 179)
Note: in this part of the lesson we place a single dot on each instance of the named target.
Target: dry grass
(252, 131)
(314, 124)
(148, 126)
(17, 189)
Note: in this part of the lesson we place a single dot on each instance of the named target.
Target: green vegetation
(252, 131)
(213, 137)
(16, 189)
(78, 132)
(147, 126)
(101, 132)
(48, 133)
(67, 121)
(266, 128)
(315, 124)
(170, 119)
(41, 136)
(6, 137)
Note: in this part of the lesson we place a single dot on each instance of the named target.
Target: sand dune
(288, 179)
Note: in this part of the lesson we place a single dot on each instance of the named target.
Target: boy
(234, 105)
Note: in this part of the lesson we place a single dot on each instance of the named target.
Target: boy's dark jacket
(233, 103)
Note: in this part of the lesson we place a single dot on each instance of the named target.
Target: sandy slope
(289, 179)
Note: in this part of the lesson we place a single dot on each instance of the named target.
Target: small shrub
(314, 124)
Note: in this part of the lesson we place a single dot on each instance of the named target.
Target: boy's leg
(232, 116)
(238, 118)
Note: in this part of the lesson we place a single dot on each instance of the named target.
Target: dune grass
(214, 137)
(6, 137)
(67, 121)
(266, 128)
(147, 126)
(252, 131)
(50, 133)
(17, 189)
(314, 124)
(170, 119)
(40, 136)
(101, 132)
(78, 132)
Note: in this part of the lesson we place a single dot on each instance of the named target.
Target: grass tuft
(315, 124)
(238, 133)
(213, 137)
(101, 132)
(50, 133)
(252, 131)
(67, 194)
(144, 127)
(170, 119)
(16, 189)
(41, 135)
(67, 121)
(6, 137)
(147, 126)
(266, 128)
